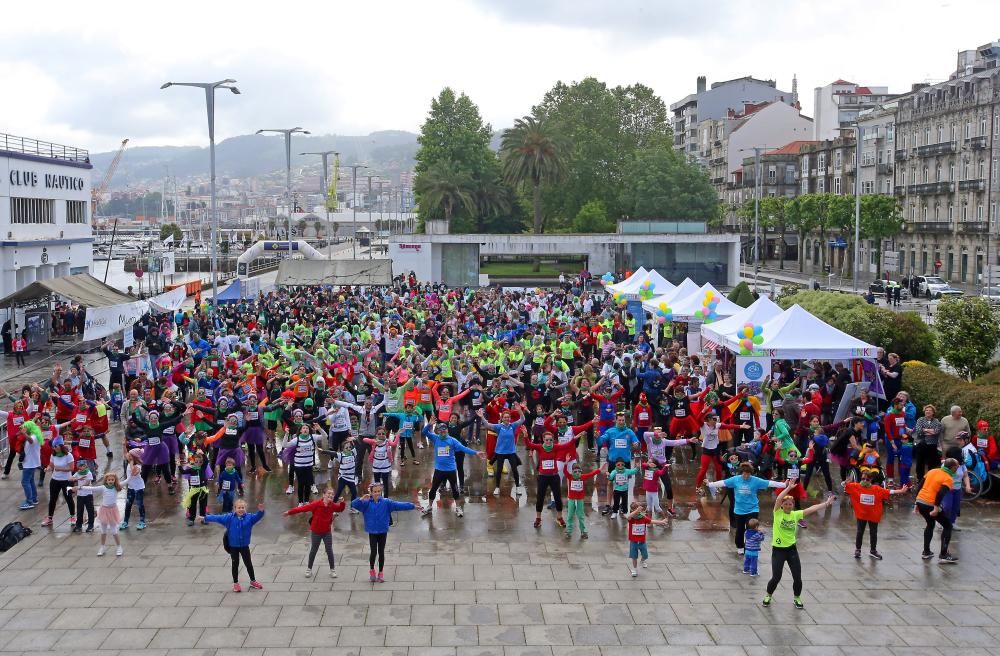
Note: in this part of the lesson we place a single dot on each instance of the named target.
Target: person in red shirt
(985, 443)
(867, 501)
(550, 453)
(575, 493)
(323, 512)
(66, 402)
(642, 418)
(638, 521)
(20, 345)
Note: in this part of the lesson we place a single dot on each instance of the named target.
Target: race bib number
(347, 462)
(620, 479)
(18, 421)
(444, 451)
(84, 443)
(649, 475)
(154, 440)
(680, 413)
(859, 410)
(793, 473)
(548, 464)
(81, 418)
(638, 529)
(407, 425)
(900, 422)
(982, 443)
(866, 499)
(778, 403)
(252, 416)
(576, 486)
(231, 432)
(381, 453)
(194, 481)
(643, 416)
(65, 397)
(744, 416)
(226, 485)
(621, 443)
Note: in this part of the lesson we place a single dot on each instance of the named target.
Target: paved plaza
(489, 583)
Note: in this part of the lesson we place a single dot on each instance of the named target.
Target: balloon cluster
(750, 335)
(664, 313)
(619, 298)
(646, 289)
(707, 312)
(607, 278)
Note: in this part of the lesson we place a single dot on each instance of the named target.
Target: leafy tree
(593, 217)
(969, 334)
(803, 222)
(168, 229)
(747, 212)
(493, 199)
(774, 209)
(662, 184)
(532, 155)
(444, 190)
(881, 219)
(742, 295)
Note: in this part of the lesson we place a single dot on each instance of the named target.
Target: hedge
(927, 384)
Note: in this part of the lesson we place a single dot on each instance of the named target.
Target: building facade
(837, 106)
(716, 102)
(45, 229)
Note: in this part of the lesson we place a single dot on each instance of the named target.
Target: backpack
(12, 534)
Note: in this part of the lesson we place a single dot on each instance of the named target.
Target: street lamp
(857, 206)
(288, 132)
(354, 206)
(210, 88)
(326, 203)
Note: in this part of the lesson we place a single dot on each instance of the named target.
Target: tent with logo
(798, 335)
(760, 312)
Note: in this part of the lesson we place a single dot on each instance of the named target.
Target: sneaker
(141, 525)
(120, 551)
(927, 555)
(551, 506)
(100, 550)
(798, 603)
(496, 491)
(672, 511)
(874, 554)
(381, 577)
(857, 553)
(520, 490)
(76, 529)
(427, 511)
(123, 526)
(420, 445)
(605, 510)
(561, 522)
(256, 585)
(753, 573)
(633, 572)
(90, 529)
(25, 506)
(415, 461)
(402, 463)
(371, 575)
(309, 573)
(355, 511)
(739, 552)
(766, 602)
(956, 527)
(645, 565)
(614, 515)
(110, 454)
(314, 489)
(237, 588)
(948, 558)
(47, 521)
(289, 489)
(459, 512)
(584, 535)
(190, 522)
(333, 573)
(802, 524)
(3, 477)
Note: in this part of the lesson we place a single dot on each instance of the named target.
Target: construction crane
(98, 191)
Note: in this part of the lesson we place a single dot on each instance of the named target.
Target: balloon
(607, 278)
(663, 306)
(660, 319)
(757, 330)
(747, 332)
(746, 343)
(757, 339)
(699, 314)
(714, 304)
(748, 325)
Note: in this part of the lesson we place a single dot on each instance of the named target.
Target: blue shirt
(444, 450)
(237, 528)
(619, 442)
(745, 493)
(376, 513)
(753, 540)
(505, 436)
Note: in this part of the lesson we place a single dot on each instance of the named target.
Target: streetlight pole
(857, 206)
(210, 88)
(288, 132)
(326, 201)
(354, 208)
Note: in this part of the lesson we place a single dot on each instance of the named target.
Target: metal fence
(14, 144)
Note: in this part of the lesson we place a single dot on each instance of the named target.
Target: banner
(869, 374)
(753, 372)
(168, 302)
(105, 321)
(169, 268)
(128, 337)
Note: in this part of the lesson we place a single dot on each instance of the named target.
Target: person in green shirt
(783, 543)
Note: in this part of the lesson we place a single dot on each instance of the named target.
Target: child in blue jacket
(376, 510)
(239, 525)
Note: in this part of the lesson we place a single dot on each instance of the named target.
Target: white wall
(772, 127)
(423, 258)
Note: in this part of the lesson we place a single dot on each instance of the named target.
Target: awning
(292, 273)
(81, 289)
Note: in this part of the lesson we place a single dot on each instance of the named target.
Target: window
(982, 125)
(951, 171)
(954, 131)
(968, 129)
(838, 160)
(940, 132)
(951, 212)
(937, 211)
(965, 169)
(772, 174)
(982, 170)
(789, 173)
(927, 136)
(32, 210)
(76, 211)
(821, 185)
(889, 130)
(836, 185)
(927, 177)
(965, 211)
(924, 213)
(822, 161)
(937, 173)
(913, 212)
(878, 156)
(979, 212)
(888, 186)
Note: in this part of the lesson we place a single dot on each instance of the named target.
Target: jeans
(750, 562)
(28, 485)
(575, 511)
(135, 497)
(872, 534)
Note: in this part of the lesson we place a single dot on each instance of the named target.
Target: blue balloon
(758, 330)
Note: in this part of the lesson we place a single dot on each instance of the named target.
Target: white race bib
(154, 440)
(900, 422)
(744, 416)
(252, 416)
(643, 416)
(548, 464)
(680, 412)
(381, 453)
(576, 486)
(866, 499)
(84, 443)
(231, 432)
(226, 485)
(81, 418)
(621, 443)
(444, 451)
(638, 529)
(649, 474)
(194, 480)
(620, 479)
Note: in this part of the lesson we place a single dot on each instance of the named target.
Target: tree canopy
(661, 184)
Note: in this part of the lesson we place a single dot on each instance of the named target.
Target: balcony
(865, 163)
(974, 227)
(26, 146)
(933, 227)
(719, 180)
(932, 188)
(977, 143)
(883, 169)
(933, 150)
(900, 154)
(972, 185)
(899, 190)
(717, 160)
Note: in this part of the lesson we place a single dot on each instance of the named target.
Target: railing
(978, 227)
(938, 227)
(972, 185)
(899, 190)
(900, 154)
(26, 146)
(977, 143)
(932, 188)
(883, 169)
(931, 150)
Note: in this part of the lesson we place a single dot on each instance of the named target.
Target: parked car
(879, 287)
(948, 292)
(991, 295)
(931, 286)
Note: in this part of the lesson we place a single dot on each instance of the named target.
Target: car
(947, 292)
(929, 286)
(879, 287)
(991, 295)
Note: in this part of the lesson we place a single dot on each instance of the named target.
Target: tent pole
(111, 249)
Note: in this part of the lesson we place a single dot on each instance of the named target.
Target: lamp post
(326, 202)
(210, 88)
(288, 132)
(354, 207)
(857, 206)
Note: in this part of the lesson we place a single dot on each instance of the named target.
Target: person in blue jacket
(239, 525)
(746, 506)
(445, 468)
(376, 510)
(621, 441)
(506, 447)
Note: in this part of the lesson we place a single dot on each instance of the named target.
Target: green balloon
(699, 314)
(758, 339)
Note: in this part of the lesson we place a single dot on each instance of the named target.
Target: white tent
(660, 285)
(685, 308)
(797, 334)
(686, 288)
(760, 312)
(640, 275)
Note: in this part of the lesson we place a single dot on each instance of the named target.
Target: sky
(89, 74)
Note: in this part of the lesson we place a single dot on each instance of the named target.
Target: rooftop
(793, 148)
(24, 146)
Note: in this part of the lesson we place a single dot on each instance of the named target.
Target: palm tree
(442, 187)
(531, 155)
(492, 199)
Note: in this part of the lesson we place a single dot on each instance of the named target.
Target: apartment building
(837, 105)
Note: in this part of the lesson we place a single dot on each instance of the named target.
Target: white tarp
(105, 321)
(170, 301)
(639, 275)
(659, 284)
(759, 312)
(796, 334)
(686, 288)
(684, 308)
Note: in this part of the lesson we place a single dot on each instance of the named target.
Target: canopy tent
(639, 275)
(796, 334)
(293, 273)
(760, 312)
(684, 309)
(659, 284)
(82, 289)
(238, 290)
(686, 288)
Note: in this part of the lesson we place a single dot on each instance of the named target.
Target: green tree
(662, 184)
(742, 295)
(493, 199)
(532, 155)
(443, 190)
(593, 217)
(773, 207)
(881, 218)
(747, 212)
(969, 333)
(168, 229)
(803, 222)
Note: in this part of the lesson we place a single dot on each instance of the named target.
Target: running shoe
(874, 554)
(561, 522)
(47, 521)
(90, 529)
(371, 575)
(314, 489)
(237, 588)
(614, 515)
(584, 536)
(416, 462)
(333, 573)
(766, 602)
(141, 525)
(25, 506)
(120, 551)
(420, 445)
(309, 573)
(672, 511)
(948, 558)
(520, 490)
(459, 512)
(538, 522)
(381, 577)
(857, 553)
(123, 526)
(496, 491)
(427, 511)
(256, 585)
(797, 601)
(739, 551)
(77, 529)
(927, 555)
(752, 574)
(802, 524)
(289, 489)
(645, 565)
(100, 550)
(633, 572)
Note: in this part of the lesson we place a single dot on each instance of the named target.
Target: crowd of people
(340, 387)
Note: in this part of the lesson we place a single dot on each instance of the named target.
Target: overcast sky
(88, 73)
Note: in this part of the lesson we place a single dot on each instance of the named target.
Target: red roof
(863, 91)
(842, 81)
(793, 148)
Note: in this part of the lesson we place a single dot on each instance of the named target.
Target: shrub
(742, 295)
(969, 333)
(990, 378)
(787, 291)
(927, 384)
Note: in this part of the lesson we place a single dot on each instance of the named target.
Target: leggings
(241, 552)
(460, 468)
(438, 479)
(823, 467)
(403, 443)
(740, 524)
(942, 519)
(11, 454)
(327, 540)
(85, 503)
(383, 478)
(547, 482)
(780, 556)
(376, 543)
(304, 479)
(350, 485)
(135, 497)
(254, 450)
(620, 501)
(55, 488)
(162, 470)
(498, 460)
(668, 487)
(872, 534)
(925, 457)
(709, 457)
(199, 504)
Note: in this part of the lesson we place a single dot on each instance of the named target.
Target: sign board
(128, 337)
(169, 266)
(36, 325)
(938, 264)
(105, 321)
(890, 261)
(754, 372)
(168, 301)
